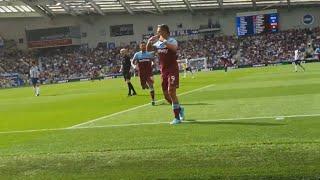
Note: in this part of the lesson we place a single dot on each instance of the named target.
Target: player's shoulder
(172, 40)
(150, 53)
(137, 54)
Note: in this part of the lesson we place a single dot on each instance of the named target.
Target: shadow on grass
(195, 104)
(192, 121)
(185, 104)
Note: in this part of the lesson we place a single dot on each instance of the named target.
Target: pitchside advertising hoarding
(53, 37)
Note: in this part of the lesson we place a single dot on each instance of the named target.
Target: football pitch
(257, 123)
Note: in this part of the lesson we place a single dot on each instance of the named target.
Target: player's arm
(134, 61)
(151, 41)
(171, 44)
(152, 58)
(121, 67)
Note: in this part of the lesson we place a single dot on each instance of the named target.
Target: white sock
(37, 90)
(295, 67)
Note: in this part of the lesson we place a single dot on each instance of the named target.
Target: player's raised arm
(151, 41)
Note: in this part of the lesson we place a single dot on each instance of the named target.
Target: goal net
(197, 64)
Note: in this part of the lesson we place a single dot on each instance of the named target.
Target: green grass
(213, 144)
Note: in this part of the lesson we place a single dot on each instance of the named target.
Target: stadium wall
(97, 27)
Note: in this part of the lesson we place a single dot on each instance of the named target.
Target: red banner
(49, 43)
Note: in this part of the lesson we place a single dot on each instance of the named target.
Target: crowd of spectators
(80, 62)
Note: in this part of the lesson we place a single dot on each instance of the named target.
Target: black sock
(129, 88)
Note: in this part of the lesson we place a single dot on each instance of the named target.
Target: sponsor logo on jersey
(163, 51)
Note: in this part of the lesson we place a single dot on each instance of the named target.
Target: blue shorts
(35, 81)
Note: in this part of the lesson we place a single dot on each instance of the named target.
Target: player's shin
(129, 88)
(167, 97)
(132, 88)
(152, 92)
(176, 110)
(37, 90)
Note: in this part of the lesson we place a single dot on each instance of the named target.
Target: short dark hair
(164, 27)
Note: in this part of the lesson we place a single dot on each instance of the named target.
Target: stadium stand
(67, 63)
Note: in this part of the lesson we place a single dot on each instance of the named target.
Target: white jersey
(317, 51)
(225, 55)
(297, 55)
(34, 72)
(187, 61)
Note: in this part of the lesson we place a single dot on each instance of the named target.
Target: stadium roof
(78, 7)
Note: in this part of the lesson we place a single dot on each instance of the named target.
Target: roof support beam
(157, 6)
(254, 3)
(66, 8)
(188, 5)
(123, 3)
(46, 10)
(42, 10)
(96, 7)
(220, 2)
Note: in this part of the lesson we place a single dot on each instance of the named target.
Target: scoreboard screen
(257, 22)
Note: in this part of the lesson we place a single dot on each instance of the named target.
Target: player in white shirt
(187, 67)
(298, 56)
(34, 76)
(224, 58)
(317, 52)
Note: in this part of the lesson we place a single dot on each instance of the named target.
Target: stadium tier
(77, 62)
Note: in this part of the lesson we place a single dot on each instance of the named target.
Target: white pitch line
(157, 123)
(207, 120)
(31, 130)
(134, 108)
